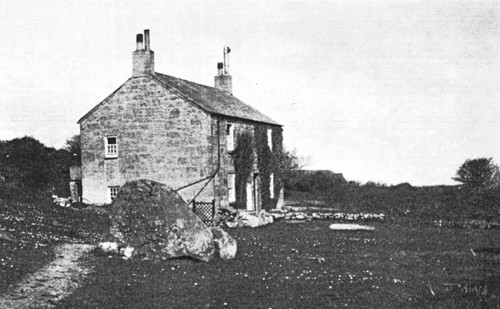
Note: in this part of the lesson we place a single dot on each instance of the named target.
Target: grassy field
(309, 266)
(405, 262)
(37, 227)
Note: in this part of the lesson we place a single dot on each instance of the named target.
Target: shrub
(31, 169)
(480, 172)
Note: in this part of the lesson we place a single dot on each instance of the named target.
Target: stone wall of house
(160, 135)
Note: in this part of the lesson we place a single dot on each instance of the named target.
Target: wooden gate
(205, 211)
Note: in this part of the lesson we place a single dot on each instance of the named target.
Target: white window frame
(231, 187)
(270, 138)
(230, 137)
(111, 150)
(112, 192)
(271, 185)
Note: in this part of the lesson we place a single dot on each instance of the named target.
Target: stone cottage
(200, 140)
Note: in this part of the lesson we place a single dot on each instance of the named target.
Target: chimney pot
(220, 68)
(146, 39)
(139, 41)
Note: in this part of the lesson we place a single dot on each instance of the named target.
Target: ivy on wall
(243, 164)
(265, 164)
(279, 168)
(268, 163)
(254, 147)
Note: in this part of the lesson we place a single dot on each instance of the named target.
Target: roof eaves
(274, 123)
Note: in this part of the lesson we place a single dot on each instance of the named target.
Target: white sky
(388, 91)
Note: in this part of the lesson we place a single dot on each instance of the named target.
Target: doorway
(253, 193)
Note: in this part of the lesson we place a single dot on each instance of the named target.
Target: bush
(319, 182)
(31, 169)
(479, 173)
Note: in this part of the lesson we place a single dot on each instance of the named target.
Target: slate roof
(214, 100)
(210, 99)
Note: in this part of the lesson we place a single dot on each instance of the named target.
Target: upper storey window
(270, 138)
(111, 147)
(230, 137)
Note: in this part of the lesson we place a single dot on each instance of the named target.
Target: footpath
(53, 282)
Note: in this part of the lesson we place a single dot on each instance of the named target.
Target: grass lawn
(309, 266)
(407, 261)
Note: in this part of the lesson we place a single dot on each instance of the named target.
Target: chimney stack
(223, 80)
(143, 57)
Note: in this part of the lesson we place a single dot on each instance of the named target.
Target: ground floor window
(231, 188)
(112, 192)
(271, 186)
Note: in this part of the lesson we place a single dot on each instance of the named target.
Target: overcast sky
(387, 91)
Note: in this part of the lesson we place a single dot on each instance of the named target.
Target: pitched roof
(210, 99)
(213, 100)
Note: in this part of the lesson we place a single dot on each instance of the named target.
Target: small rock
(6, 236)
(249, 220)
(265, 218)
(350, 227)
(110, 247)
(224, 244)
(127, 252)
(231, 224)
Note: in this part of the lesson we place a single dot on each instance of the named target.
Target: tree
(480, 172)
(289, 167)
(74, 146)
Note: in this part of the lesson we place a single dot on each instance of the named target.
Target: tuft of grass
(474, 290)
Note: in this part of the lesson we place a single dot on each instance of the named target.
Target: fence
(205, 211)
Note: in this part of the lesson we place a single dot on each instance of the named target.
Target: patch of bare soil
(52, 283)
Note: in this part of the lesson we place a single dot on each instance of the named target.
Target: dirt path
(52, 283)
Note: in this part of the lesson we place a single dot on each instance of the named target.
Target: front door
(256, 192)
(253, 193)
(249, 191)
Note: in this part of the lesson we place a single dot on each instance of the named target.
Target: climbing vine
(243, 163)
(250, 147)
(269, 163)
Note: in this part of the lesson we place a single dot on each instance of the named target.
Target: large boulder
(156, 222)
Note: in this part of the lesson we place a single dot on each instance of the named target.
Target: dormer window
(270, 138)
(230, 137)
(111, 147)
